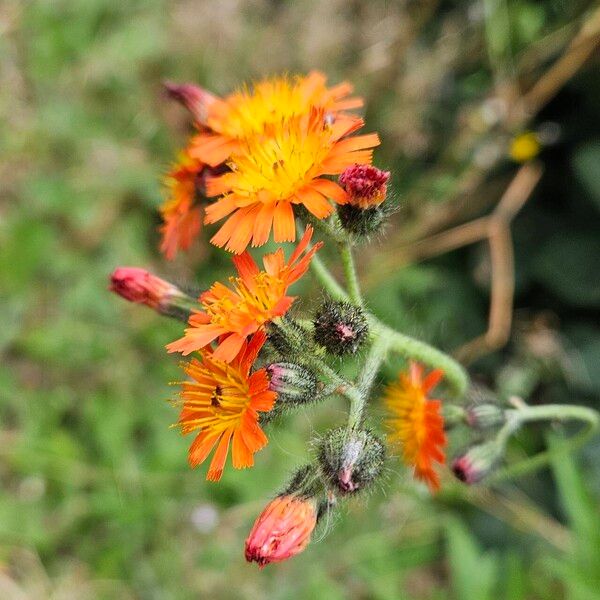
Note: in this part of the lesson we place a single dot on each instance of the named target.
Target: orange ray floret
(223, 401)
(182, 218)
(231, 314)
(270, 175)
(415, 422)
(245, 114)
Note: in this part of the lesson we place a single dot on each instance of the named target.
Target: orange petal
(215, 470)
(283, 223)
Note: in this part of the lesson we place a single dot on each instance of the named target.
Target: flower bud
(291, 342)
(477, 462)
(282, 530)
(351, 460)
(293, 383)
(484, 416)
(340, 327)
(366, 185)
(193, 97)
(362, 222)
(142, 287)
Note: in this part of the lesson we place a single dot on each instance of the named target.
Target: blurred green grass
(96, 498)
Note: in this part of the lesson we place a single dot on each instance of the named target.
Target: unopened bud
(142, 287)
(366, 185)
(362, 223)
(282, 530)
(293, 383)
(351, 460)
(289, 340)
(477, 462)
(484, 416)
(340, 327)
(193, 97)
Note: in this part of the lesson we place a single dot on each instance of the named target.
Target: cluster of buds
(485, 417)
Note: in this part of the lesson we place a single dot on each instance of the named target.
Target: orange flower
(416, 423)
(223, 402)
(246, 114)
(269, 175)
(282, 530)
(257, 297)
(182, 218)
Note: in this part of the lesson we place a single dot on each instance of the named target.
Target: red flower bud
(141, 287)
(282, 530)
(365, 184)
(193, 97)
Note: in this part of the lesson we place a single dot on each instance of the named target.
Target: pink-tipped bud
(472, 466)
(196, 99)
(366, 185)
(282, 530)
(142, 287)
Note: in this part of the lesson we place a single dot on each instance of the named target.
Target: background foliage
(96, 500)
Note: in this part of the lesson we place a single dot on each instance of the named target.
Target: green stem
(376, 356)
(409, 347)
(327, 280)
(350, 273)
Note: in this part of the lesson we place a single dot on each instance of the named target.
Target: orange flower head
(270, 175)
(182, 218)
(231, 314)
(223, 401)
(415, 422)
(246, 114)
(282, 530)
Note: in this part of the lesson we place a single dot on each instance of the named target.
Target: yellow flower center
(235, 312)
(220, 395)
(277, 166)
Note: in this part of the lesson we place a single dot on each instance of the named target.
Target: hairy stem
(554, 412)
(350, 272)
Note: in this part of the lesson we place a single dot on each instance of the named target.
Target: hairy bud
(362, 222)
(142, 287)
(351, 460)
(477, 462)
(293, 383)
(292, 342)
(340, 327)
(282, 530)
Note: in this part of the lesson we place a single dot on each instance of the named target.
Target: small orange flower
(269, 175)
(245, 114)
(416, 423)
(223, 402)
(182, 218)
(282, 530)
(257, 297)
